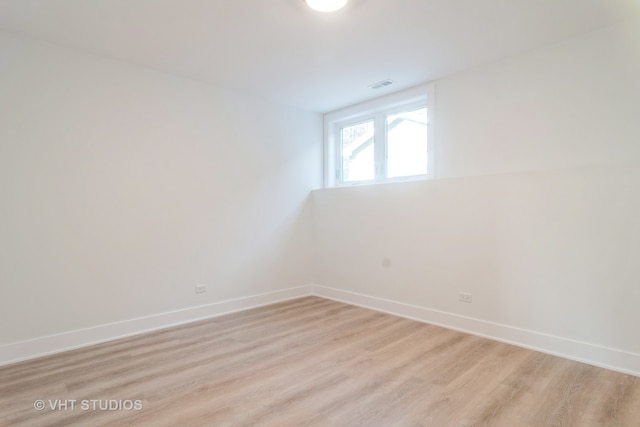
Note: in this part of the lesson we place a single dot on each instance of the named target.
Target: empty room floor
(313, 362)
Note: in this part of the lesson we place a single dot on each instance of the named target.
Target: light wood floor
(315, 362)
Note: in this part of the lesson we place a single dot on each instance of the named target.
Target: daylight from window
(407, 143)
(406, 147)
(358, 161)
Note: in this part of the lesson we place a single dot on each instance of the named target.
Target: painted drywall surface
(122, 189)
(572, 104)
(535, 209)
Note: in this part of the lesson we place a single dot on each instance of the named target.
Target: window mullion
(380, 152)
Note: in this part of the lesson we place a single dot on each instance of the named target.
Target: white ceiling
(282, 51)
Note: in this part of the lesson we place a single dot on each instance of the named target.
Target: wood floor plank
(315, 362)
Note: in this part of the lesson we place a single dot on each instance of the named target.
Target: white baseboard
(30, 349)
(609, 358)
(604, 357)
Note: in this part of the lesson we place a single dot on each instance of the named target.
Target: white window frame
(376, 110)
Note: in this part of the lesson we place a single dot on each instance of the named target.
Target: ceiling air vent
(382, 83)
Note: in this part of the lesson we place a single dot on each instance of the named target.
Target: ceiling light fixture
(326, 5)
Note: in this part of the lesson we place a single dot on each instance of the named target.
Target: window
(384, 140)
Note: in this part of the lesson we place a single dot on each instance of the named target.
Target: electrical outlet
(464, 297)
(200, 289)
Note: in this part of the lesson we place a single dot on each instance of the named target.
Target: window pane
(358, 162)
(407, 143)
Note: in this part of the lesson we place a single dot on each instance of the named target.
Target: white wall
(122, 188)
(536, 207)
